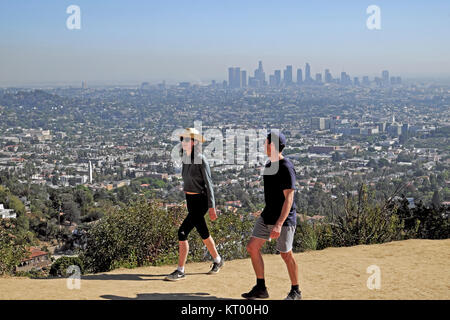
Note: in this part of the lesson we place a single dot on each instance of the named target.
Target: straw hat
(193, 134)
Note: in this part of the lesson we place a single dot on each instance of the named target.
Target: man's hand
(289, 199)
(212, 214)
(276, 230)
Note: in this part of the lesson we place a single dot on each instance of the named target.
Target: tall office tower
(328, 77)
(272, 81)
(83, 85)
(394, 129)
(365, 81)
(277, 75)
(399, 80)
(405, 128)
(234, 77)
(318, 78)
(356, 81)
(318, 123)
(237, 77)
(299, 76)
(243, 79)
(345, 79)
(308, 73)
(385, 77)
(260, 76)
(288, 75)
(230, 77)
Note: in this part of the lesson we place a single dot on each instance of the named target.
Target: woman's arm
(206, 173)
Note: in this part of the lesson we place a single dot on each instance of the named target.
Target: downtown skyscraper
(308, 78)
(299, 76)
(234, 77)
(259, 78)
(287, 76)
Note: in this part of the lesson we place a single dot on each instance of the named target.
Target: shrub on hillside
(11, 251)
(424, 222)
(315, 236)
(60, 266)
(145, 233)
(364, 222)
(130, 236)
(231, 232)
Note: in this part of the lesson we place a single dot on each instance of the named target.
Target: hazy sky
(195, 40)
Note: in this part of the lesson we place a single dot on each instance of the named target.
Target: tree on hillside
(436, 200)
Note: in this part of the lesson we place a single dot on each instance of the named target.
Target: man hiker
(277, 220)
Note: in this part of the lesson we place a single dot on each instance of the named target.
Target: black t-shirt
(274, 185)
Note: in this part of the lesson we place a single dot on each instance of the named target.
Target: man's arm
(288, 201)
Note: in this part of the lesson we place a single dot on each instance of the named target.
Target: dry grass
(412, 269)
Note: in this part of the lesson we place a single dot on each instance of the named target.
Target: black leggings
(197, 205)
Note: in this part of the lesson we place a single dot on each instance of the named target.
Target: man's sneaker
(175, 276)
(294, 295)
(216, 267)
(256, 293)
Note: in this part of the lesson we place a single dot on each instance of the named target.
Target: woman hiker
(199, 192)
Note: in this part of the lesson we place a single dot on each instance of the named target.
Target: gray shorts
(284, 241)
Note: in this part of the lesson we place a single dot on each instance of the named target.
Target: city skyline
(304, 72)
(237, 78)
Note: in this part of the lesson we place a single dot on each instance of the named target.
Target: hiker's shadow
(167, 296)
(130, 277)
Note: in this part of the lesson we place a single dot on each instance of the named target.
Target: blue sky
(133, 41)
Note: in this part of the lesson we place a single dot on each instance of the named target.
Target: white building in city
(6, 213)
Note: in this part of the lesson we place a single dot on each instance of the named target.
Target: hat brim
(197, 137)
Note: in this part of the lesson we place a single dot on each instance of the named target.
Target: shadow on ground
(126, 276)
(167, 296)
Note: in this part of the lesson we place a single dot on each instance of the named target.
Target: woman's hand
(212, 214)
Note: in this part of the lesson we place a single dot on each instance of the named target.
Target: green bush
(11, 251)
(144, 233)
(306, 237)
(128, 237)
(315, 236)
(425, 222)
(33, 274)
(59, 267)
(231, 233)
(364, 222)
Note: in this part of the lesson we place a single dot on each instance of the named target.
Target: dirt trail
(411, 269)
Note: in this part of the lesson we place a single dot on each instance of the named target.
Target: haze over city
(128, 42)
